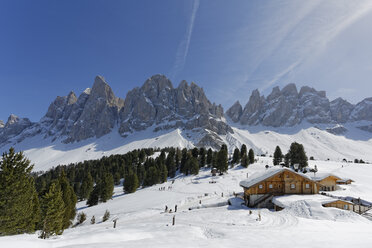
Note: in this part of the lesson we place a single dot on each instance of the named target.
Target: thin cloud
(183, 47)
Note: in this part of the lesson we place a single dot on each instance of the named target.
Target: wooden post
(174, 220)
(115, 222)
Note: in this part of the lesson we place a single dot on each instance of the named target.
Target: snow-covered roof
(335, 200)
(321, 176)
(343, 180)
(258, 177)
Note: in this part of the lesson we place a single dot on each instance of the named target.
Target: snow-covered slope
(46, 153)
(211, 222)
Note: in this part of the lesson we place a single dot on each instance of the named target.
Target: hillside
(142, 221)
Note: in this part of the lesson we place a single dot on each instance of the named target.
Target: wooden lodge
(260, 189)
(344, 181)
(328, 181)
(356, 207)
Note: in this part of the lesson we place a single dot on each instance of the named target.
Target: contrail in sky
(183, 47)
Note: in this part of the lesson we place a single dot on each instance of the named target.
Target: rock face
(93, 114)
(97, 111)
(235, 111)
(341, 110)
(157, 102)
(13, 127)
(288, 107)
(362, 111)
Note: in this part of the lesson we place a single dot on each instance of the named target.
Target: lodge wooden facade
(282, 182)
(328, 183)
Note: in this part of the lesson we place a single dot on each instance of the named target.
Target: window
(270, 186)
(307, 186)
(260, 186)
(346, 207)
(293, 186)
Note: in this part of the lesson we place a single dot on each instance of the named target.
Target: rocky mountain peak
(275, 93)
(12, 119)
(235, 111)
(71, 98)
(13, 127)
(1, 124)
(290, 90)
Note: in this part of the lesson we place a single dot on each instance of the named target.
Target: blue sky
(48, 48)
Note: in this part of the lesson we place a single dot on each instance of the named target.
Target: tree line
(46, 201)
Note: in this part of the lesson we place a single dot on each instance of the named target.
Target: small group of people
(164, 188)
(170, 210)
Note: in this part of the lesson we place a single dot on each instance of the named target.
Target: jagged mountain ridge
(97, 111)
(160, 106)
(288, 107)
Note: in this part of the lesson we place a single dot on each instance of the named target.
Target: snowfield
(142, 221)
(46, 153)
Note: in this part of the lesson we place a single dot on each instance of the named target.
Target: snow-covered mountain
(288, 107)
(98, 123)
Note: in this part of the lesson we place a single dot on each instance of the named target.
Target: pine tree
(236, 156)
(106, 216)
(69, 199)
(251, 156)
(243, 150)
(19, 204)
(183, 161)
(170, 163)
(131, 183)
(195, 152)
(278, 156)
(52, 212)
(244, 160)
(193, 165)
(152, 176)
(94, 195)
(297, 155)
(86, 186)
(209, 157)
(107, 188)
(81, 218)
(202, 157)
(222, 164)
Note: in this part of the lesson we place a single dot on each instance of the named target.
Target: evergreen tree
(222, 164)
(170, 163)
(81, 218)
(163, 173)
(193, 165)
(131, 183)
(278, 156)
(183, 161)
(297, 155)
(106, 216)
(243, 150)
(52, 212)
(107, 188)
(94, 195)
(195, 152)
(251, 156)
(152, 176)
(202, 157)
(19, 205)
(69, 199)
(244, 160)
(209, 157)
(236, 156)
(86, 186)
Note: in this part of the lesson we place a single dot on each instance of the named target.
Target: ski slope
(142, 221)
